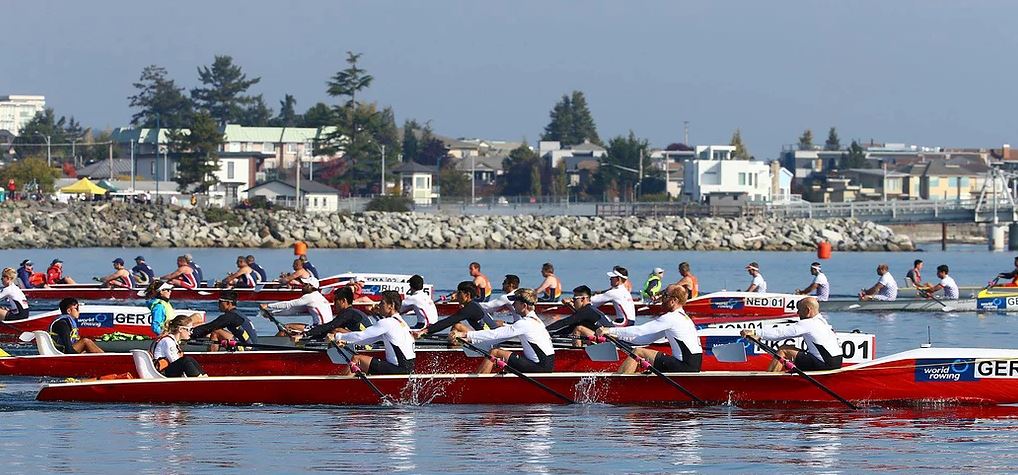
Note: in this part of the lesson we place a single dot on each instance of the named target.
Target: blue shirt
(24, 275)
(197, 272)
(144, 268)
(311, 268)
(261, 272)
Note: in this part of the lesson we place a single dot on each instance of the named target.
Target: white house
(417, 182)
(715, 171)
(316, 196)
(16, 111)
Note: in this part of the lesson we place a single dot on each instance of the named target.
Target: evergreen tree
(740, 149)
(854, 158)
(199, 153)
(519, 172)
(357, 126)
(257, 114)
(288, 116)
(571, 122)
(833, 142)
(583, 121)
(159, 97)
(411, 146)
(34, 134)
(535, 180)
(318, 115)
(454, 182)
(431, 151)
(223, 96)
(622, 163)
(806, 140)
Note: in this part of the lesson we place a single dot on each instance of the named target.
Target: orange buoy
(824, 250)
(300, 248)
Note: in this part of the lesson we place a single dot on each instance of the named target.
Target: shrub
(392, 204)
(220, 215)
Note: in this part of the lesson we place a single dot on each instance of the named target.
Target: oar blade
(734, 352)
(602, 352)
(336, 356)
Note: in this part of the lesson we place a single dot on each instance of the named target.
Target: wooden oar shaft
(800, 372)
(632, 354)
(518, 372)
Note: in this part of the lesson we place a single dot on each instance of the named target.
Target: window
(269, 147)
(229, 170)
(421, 182)
(963, 182)
(934, 181)
(291, 148)
(233, 147)
(742, 179)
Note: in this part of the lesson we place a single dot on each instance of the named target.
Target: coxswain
(142, 272)
(688, 280)
(538, 352)
(64, 330)
(158, 293)
(550, 289)
(947, 284)
(1013, 275)
(419, 302)
(758, 284)
(27, 270)
(199, 276)
(167, 355)
(914, 277)
(119, 279)
(584, 321)
(395, 335)
(13, 304)
(818, 285)
(299, 275)
(309, 266)
(55, 274)
(652, 287)
(347, 318)
(823, 350)
(184, 276)
(481, 282)
(618, 296)
(311, 302)
(885, 289)
(469, 317)
(502, 303)
(674, 326)
(243, 278)
(230, 326)
(262, 276)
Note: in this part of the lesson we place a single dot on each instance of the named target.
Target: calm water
(64, 438)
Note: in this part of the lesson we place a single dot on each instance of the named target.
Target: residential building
(553, 152)
(18, 110)
(670, 163)
(957, 178)
(417, 182)
(714, 170)
(484, 169)
(315, 196)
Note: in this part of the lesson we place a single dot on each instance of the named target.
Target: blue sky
(927, 72)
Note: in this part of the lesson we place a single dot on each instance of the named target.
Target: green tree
(411, 145)
(740, 149)
(833, 142)
(519, 174)
(28, 171)
(223, 95)
(584, 127)
(454, 182)
(288, 116)
(854, 158)
(431, 150)
(257, 114)
(159, 97)
(318, 115)
(198, 152)
(621, 165)
(805, 140)
(31, 142)
(571, 122)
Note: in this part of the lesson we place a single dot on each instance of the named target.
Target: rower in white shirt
(823, 350)
(947, 284)
(418, 302)
(400, 354)
(758, 284)
(619, 296)
(538, 352)
(312, 302)
(818, 285)
(886, 287)
(674, 326)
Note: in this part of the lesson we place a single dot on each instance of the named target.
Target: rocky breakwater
(27, 225)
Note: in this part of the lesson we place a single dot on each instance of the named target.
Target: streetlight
(49, 156)
(381, 188)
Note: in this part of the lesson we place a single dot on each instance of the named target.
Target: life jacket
(74, 331)
(160, 363)
(653, 286)
(167, 312)
(37, 279)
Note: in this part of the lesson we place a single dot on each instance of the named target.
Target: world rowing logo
(944, 370)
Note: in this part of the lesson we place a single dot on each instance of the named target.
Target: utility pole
(685, 132)
(473, 166)
(132, 166)
(639, 182)
(297, 203)
(156, 159)
(381, 187)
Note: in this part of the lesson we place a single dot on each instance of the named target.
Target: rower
(674, 326)
(419, 302)
(471, 313)
(142, 272)
(184, 276)
(357, 287)
(652, 287)
(618, 296)
(168, 357)
(626, 283)
(299, 274)
(758, 284)
(348, 319)
(885, 289)
(262, 276)
(13, 304)
(947, 284)
(586, 318)
(502, 303)
(309, 266)
(243, 278)
(823, 350)
(914, 276)
(64, 330)
(230, 326)
(55, 274)
(538, 352)
(818, 285)
(395, 336)
(311, 302)
(481, 282)
(199, 276)
(550, 289)
(688, 280)
(158, 293)
(119, 279)
(1013, 275)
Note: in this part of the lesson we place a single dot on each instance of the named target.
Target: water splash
(591, 389)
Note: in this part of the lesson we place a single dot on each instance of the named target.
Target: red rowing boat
(939, 376)
(96, 321)
(738, 304)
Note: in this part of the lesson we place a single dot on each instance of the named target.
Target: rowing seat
(144, 365)
(44, 342)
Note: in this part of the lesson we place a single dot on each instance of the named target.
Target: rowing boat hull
(916, 377)
(742, 304)
(900, 305)
(96, 321)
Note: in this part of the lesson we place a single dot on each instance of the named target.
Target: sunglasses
(189, 329)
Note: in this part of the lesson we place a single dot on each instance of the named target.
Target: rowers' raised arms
(368, 335)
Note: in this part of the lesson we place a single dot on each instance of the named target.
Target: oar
(648, 365)
(930, 296)
(280, 326)
(790, 365)
(502, 365)
(259, 345)
(356, 370)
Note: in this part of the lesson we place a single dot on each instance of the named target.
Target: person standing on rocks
(480, 281)
(759, 284)
(818, 285)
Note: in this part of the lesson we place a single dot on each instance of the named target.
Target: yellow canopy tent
(83, 185)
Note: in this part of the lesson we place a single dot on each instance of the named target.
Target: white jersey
(823, 289)
(950, 288)
(313, 303)
(167, 348)
(889, 289)
(529, 330)
(760, 283)
(816, 332)
(12, 297)
(422, 306)
(394, 333)
(625, 310)
(674, 326)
